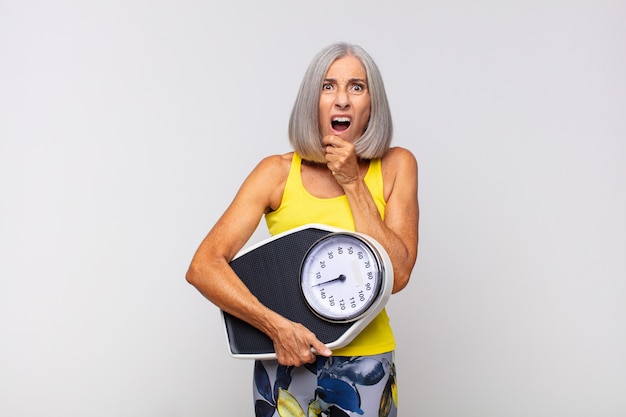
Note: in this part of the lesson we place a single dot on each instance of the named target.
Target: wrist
(353, 185)
(271, 323)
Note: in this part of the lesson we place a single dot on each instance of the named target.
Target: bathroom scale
(332, 281)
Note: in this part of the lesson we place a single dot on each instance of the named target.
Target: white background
(126, 127)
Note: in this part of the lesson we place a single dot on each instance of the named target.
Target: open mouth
(340, 124)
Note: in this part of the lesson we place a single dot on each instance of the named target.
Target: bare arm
(398, 233)
(212, 275)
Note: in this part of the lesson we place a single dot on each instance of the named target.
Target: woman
(345, 174)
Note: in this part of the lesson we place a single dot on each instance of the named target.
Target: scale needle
(341, 277)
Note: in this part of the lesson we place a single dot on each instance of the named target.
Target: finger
(328, 140)
(334, 141)
(321, 349)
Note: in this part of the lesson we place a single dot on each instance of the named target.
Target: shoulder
(399, 155)
(274, 166)
(269, 178)
(399, 168)
(399, 160)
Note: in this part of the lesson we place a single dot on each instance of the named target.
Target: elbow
(400, 282)
(401, 276)
(193, 276)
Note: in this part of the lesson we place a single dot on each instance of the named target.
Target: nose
(342, 99)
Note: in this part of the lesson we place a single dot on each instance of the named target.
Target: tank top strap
(374, 177)
(294, 179)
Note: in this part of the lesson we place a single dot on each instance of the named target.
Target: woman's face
(344, 108)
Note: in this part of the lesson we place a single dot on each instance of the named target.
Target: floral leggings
(338, 386)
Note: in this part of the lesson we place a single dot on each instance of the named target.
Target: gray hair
(304, 129)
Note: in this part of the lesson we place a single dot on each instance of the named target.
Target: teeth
(341, 119)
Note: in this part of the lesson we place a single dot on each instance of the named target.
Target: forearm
(292, 341)
(217, 282)
(367, 220)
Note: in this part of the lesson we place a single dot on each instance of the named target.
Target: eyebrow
(350, 81)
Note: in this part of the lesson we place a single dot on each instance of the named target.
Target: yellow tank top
(298, 208)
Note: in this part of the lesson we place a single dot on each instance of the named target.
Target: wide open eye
(358, 88)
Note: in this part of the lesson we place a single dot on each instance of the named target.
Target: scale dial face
(341, 277)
